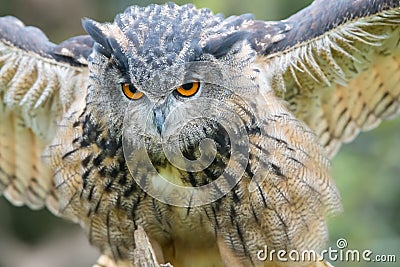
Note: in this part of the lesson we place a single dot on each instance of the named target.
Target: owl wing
(39, 82)
(337, 64)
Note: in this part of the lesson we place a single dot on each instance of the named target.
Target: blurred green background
(366, 171)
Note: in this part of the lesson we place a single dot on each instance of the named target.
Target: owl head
(156, 69)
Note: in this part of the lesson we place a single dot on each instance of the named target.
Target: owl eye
(188, 89)
(130, 91)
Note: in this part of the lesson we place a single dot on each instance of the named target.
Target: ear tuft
(221, 46)
(98, 32)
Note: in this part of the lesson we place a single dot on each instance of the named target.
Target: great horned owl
(212, 134)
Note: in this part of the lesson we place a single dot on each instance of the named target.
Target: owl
(174, 136)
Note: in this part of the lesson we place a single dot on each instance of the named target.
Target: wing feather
(39, 82)
(338, 67)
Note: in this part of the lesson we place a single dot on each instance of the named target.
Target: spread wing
(39, 82)
(337, 63)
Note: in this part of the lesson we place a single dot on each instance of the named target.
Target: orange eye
(131, 92)
(188, 89)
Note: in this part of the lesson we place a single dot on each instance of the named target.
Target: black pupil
(187, 86)
(132, 88)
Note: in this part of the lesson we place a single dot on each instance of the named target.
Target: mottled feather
(338, 67)
(39, 82)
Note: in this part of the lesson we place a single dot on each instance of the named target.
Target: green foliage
(367, 173)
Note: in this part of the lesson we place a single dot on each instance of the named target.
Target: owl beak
(159, 119)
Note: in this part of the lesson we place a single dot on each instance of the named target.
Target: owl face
(170, 75)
